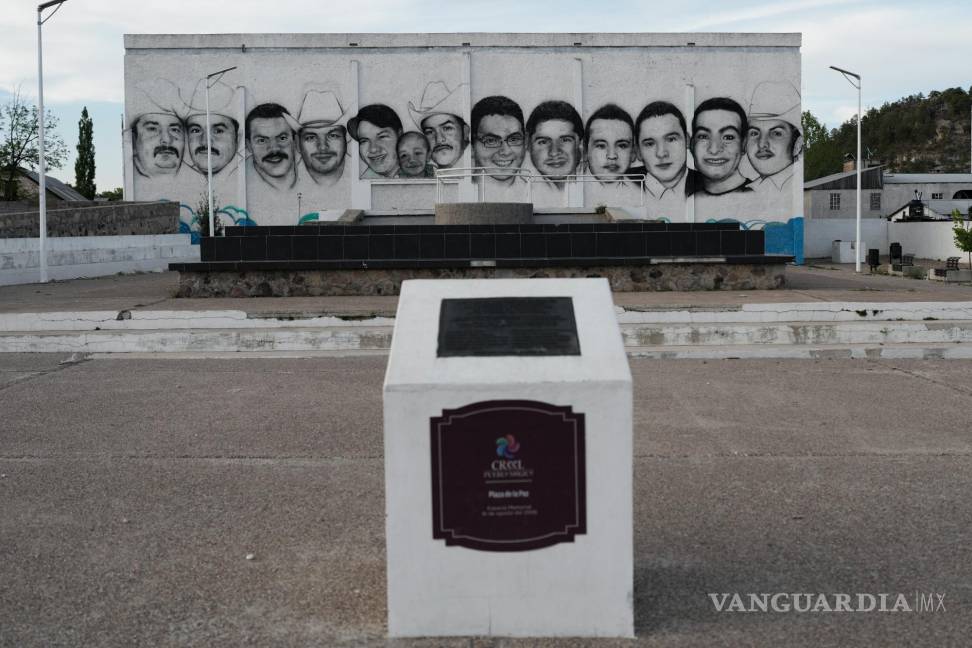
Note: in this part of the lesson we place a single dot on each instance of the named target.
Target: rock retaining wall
(328, 283)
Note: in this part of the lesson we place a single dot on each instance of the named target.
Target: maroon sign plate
(508, 475)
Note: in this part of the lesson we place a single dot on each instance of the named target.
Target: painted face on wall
(413, 154)
(447, 138)
(663, 150)
(500, 142)
(555, 148)
(272, 145)
(323, 148)
(378, 148)
(769, 145)
(610, 148)
(223, 134)
(159, 142)
(717, 143)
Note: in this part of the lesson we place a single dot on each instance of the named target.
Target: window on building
(936, 196)
(875, 202)
(835, 202)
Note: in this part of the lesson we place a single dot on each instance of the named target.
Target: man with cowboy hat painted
(158, 133)
(438, 116)
(322, 137)
(774, 141)
(223, 128)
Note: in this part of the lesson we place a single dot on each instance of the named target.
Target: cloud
(763, 11)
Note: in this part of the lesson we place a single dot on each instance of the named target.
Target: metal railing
(455, 175)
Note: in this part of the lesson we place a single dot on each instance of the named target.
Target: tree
(84, 166)
(112, 194)
(814, 132)
(963, 235)
(18, 143)
(821, 153)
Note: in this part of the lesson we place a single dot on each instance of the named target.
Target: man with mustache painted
(270, 131)
(438, 118)
(774, 141)
(223, 131)
(719, 130)
(223, 128)
(556, 136)
(322, 137)
(158, 141)
(376, 128)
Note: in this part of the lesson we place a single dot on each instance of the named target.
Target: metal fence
(527, 180)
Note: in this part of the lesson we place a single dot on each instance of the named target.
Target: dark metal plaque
(508, 326)
(508, 475)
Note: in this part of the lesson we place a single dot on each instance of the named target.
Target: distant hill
(916, 134)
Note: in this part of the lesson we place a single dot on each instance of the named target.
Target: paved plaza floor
(132, 492)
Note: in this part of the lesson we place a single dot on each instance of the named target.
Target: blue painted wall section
(781, 238)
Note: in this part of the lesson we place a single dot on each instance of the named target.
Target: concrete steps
(802, 330)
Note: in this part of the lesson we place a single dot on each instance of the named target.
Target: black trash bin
(873, 258)
(895, 253)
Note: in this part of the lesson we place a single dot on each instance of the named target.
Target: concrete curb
(805, 330)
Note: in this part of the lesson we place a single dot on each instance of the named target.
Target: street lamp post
(42, 176)
(209, 147)
(850, 76)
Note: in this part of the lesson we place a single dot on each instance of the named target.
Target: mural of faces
(159, 141)
(718, 132)
(447, 136)
(223, 133)
(663, 149)
(610, 145)
(772, 145)
(413, 155)
(323, 148)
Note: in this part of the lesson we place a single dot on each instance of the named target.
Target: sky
(899, 47)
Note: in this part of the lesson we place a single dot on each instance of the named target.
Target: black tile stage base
(309, 260)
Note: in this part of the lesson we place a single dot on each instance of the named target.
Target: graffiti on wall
(726, 156)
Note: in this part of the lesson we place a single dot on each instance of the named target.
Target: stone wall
(113, 219)
(321, 283)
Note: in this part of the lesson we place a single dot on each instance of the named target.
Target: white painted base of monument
(577, 587)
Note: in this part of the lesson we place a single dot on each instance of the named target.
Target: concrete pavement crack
(46, 372)
(956, 388)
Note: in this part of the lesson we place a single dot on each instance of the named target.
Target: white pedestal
(579, 586)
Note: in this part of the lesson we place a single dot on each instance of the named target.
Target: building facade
(882, 193)
(680, 127)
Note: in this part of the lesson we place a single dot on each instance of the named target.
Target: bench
(898, 265)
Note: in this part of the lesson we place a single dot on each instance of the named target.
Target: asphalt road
(132, 492)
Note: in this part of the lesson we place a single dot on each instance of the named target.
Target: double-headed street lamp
(42, 201)
(209, 146)
(850, 76)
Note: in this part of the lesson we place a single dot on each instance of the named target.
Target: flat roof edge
(462, 39)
